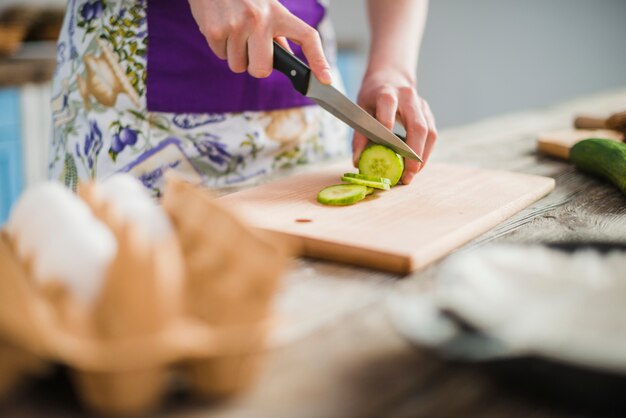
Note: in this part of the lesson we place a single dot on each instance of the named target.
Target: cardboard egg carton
(198, 304)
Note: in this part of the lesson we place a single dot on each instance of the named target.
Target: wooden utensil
(558, 143)
(616, 122)
(401, 230)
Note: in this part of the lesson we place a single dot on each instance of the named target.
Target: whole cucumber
(603, 158)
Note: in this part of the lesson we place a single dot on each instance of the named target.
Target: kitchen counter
(334, 353)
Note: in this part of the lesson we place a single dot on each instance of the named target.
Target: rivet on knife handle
(288, 64)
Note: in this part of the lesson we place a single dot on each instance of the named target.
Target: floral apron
(123, 101)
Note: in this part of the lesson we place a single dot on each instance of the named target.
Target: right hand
(242, 31)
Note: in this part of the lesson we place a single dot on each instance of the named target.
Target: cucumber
(342, 194)
(372, 184)
(368, 178)
(603, 158)
(380, 161)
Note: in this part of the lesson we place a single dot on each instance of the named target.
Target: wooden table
(335, 353)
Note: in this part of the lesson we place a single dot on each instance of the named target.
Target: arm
(389, 86)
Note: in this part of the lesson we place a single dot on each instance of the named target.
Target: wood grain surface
(335, 353)
(400, 230)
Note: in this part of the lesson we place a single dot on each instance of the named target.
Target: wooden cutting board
(400, 230)
(558, 143)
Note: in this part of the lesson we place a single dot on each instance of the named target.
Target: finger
(309, 39)
(217, 42)
(359, 142)
(219, 49)
(432, 130)
(260, 55)
(237, 52)
(282, 41)
(386, 108)
(416, 132)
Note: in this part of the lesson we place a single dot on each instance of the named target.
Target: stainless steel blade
(343, 108)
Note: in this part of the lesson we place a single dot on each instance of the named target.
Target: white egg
(135, 205)
(57, 232)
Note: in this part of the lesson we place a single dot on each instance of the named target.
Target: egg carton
(197, 305)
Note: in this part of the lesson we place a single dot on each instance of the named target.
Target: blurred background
(479, 59)
(482, 58)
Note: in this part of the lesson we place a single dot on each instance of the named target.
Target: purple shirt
(185, 76)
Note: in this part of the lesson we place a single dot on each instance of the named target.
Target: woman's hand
(388, 94)
(388, 88)
(242, 31)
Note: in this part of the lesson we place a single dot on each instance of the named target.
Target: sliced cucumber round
(368, 178)
(372, 184)
(380, 161)
(342, 194)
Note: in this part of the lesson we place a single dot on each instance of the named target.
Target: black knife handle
(288, 64)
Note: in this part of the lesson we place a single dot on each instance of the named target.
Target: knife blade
(337, 103)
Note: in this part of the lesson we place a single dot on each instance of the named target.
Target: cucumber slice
(372, 184)
(380, 161)
(368, 178)
(342, 194)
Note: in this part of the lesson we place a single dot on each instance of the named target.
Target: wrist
(390, 74)
(386, 56)
(384, 61)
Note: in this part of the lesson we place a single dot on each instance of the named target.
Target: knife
(337, 103)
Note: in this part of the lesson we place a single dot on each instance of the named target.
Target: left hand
(388, 94)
